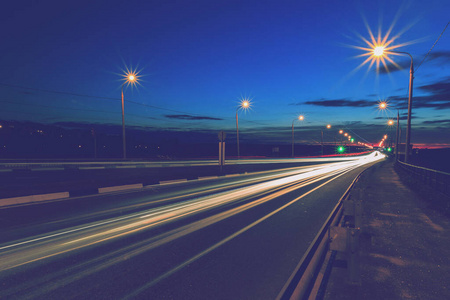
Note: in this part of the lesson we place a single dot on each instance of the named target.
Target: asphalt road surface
(226, 238)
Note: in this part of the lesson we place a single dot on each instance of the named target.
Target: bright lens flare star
(131, 77)
(378, 48)
(378, 51)
(244, 104)
(382, 105)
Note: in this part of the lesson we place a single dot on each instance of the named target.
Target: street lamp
(397, 136)
(328, 127)
(130, 78)
(380, 51)
(300, 118)
(382, 105)
(245, 104)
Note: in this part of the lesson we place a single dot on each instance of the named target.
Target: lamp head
(378, 51)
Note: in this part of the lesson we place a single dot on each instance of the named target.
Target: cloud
(437, 122)
(341, 103)
(444, 56)
(438, 98)
(191, 118)
(440, 89)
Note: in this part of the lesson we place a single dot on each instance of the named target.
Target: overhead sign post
(222, 136)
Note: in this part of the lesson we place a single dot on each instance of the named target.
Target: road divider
(172, 181)
(33, 198)
(120, 188)
(208, 177)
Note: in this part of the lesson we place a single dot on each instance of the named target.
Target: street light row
(380, 51)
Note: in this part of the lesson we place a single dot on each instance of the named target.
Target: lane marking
(91, 168)
(229, 238)
(48, 169)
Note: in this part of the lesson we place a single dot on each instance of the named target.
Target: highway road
(236, 237)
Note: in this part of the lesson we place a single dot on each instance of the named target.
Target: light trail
(274, 186)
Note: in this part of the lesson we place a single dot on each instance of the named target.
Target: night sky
(62, 62)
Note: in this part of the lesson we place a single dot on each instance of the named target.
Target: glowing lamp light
(378, 51)
(346, 134)
(391, 122)
(131, 77)
(301, 118)
(245, 103)
(328, 126)
(382, 105)
(340, 149)
(341, 131)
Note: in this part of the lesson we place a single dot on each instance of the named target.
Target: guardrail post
(353, 255)
(353, 210)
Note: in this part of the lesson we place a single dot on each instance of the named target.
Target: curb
(41, 198)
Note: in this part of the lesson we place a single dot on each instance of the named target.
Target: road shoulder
(404, 245)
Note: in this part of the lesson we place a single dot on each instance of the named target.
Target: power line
(432, 47)
(97, 97)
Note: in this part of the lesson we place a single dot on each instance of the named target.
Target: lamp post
(328, 127)
(397, 137)
(300, 118)
(379, 52)
(130, 79)
(243, 105)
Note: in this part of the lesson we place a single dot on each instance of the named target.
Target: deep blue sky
(199, 58)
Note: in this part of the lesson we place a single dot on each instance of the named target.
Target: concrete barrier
(120, 188)
(32, 198)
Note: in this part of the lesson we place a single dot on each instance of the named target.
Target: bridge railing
(300, 283)
(437, 180)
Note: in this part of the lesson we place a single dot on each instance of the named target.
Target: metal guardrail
(300, 283)
(437, 180)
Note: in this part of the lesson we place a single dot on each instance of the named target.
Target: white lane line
(79, 229)
(47, 169)
(344, 169)
(73, 230)
(91, 168)
(83, 228)
(229, 238)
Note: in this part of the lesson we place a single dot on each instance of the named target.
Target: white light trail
(34, 249)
